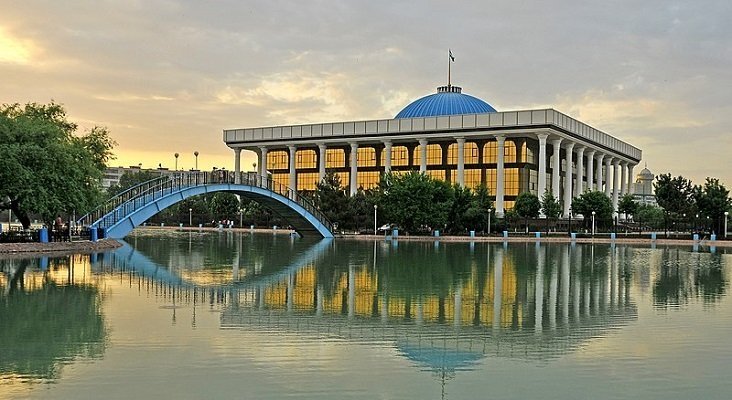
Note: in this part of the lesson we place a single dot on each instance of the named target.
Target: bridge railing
(118, 207)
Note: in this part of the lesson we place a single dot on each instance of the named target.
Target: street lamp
(593, 224)
(176, 160)
(190, 217)
(195, 153)
(241, 214)
(726, 214)
(375, 207)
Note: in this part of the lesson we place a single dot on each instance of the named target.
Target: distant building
(643, 188)
(451, 136)
(112, 175)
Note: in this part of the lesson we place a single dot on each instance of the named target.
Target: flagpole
(449, 66)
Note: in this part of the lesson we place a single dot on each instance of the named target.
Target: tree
(360, 210)
(713, 200)
(550, 206)
(595, 201)
(481, 206)
(527, 206)
(331, 199)
(627, 205)
(649, 216)
(415, 201)
(223, 206)
(458, 216)
(674, 195)
(45, 168)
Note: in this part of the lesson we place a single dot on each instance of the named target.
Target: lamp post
(696, 223)
(195, 153)
(190, 217)
(490, 211)
(593, 224)
(176, 160)
(241, 214)
(376, 206)
(726, 214)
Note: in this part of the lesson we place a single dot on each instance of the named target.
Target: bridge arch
(130, 209)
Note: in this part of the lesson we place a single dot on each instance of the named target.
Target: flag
(451, 57)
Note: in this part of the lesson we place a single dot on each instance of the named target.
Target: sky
(169, 76)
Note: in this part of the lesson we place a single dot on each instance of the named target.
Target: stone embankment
(58, 248)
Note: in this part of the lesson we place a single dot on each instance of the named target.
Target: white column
(237, 166)
(623, 178)
(590, 159)
(422, 156)
(293, 173)
(568, 179)
(500, 181)
(542, 163)
(608, 186)
(461, 161)
(631, 189)
(598, 176)
(387, 157)
(579, 186)
(322, 154)
(263, 161)
(616, 184)
(555, 168)
(354, 168)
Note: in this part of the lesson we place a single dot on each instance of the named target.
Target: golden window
(277, 160)
(472, 178)
(307, 180)
(306, 159)
(399, 156)
(470, 152)
(366, 157)
(335, 158)
(434, 155)
(368, 179)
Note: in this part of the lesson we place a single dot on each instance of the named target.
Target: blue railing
(125, 203)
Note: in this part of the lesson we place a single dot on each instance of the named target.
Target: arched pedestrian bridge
(131, 208)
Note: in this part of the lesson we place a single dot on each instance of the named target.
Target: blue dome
(447, 101)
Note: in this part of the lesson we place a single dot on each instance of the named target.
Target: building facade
(643, 190)
(451, 136)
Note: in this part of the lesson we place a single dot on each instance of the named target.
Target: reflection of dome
(440, 358)
(447, 101)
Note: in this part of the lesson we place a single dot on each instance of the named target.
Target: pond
(263, 316)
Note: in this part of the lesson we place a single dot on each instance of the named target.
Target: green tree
(650, 216)
(481, 207)
(360, 210)
(458, 217)
(45, 167)
(627, 205)
(223, 206)
(595, 201)
(713, 200)
(330, 197)
(550, 206)
(527, 206)
(674, 195)
(415, 201)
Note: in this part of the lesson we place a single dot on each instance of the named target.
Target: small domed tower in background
(643, 189)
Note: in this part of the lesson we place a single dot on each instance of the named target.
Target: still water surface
(229, 315)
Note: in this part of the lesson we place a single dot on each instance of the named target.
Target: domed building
(452, 136)
(643, 188)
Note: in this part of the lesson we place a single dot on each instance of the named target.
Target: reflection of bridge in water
(567, 297)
